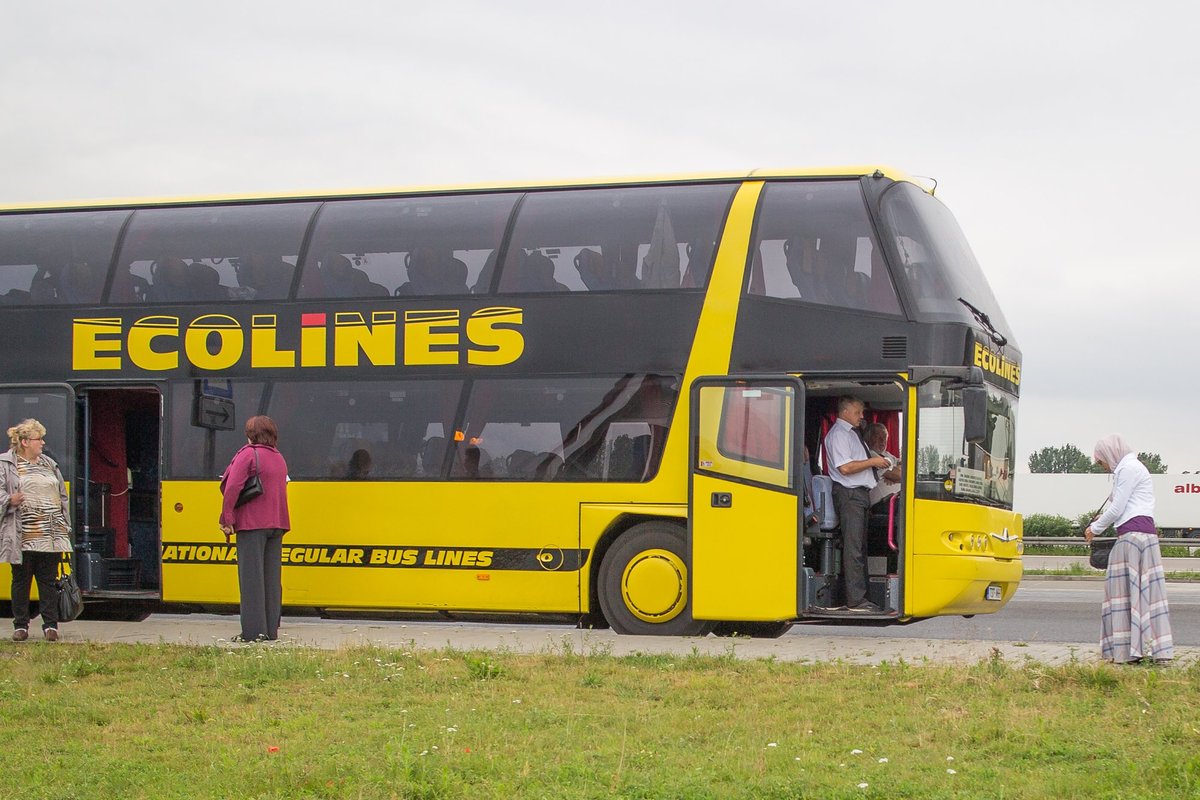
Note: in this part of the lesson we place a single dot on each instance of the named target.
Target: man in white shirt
(852, 469)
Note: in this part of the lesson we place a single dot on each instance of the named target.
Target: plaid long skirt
(1134, 620)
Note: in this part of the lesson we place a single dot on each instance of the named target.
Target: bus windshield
(935, 260)
(948, 467)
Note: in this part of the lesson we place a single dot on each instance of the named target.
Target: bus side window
(817, 245)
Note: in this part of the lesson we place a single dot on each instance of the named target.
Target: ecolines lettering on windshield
(487, 337)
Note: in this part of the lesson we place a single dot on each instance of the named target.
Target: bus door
(119, 516)
(745, 499)
(53, 405)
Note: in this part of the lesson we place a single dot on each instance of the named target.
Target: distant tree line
(1070, 459)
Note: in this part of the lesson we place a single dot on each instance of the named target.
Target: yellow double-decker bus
(596, 400)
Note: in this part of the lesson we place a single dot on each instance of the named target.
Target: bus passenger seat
(204, 283)
(823, 502)
(452, 277)
(521, 464)
(549, 466)
(537, 275)
(590, 266)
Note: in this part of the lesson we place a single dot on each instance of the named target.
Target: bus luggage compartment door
(744, 520)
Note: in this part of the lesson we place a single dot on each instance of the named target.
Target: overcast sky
(1063, 135)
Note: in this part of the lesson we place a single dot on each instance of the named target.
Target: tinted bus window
(57, 258)
(201, 453)
(658, 237)
(52, 408)
(566, 429)
(813, 242)
(364, 430)
(404, 247)
(935, 260)
(213, 253)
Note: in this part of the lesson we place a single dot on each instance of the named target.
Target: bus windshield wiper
(983, 319)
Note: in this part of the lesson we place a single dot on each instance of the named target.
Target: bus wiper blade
(983, 319)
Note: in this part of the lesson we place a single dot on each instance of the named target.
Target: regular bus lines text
(487, 337)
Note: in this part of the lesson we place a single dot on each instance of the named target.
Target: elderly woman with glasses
(35, 528)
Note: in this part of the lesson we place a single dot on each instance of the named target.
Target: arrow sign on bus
(214, 413)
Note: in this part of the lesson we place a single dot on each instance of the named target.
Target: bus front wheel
(643, 583)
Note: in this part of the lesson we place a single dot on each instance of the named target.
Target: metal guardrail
(1080, 541)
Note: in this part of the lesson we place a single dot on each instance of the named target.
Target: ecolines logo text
(487, 337)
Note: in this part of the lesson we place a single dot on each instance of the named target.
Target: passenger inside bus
(336, 276)
(359, 467)
(531, 272)
(434, 271)
(265, 277)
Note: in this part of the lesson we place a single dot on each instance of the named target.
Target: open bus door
(118, 517)
(746, 499)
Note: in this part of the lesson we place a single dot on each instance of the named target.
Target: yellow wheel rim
(654, 585)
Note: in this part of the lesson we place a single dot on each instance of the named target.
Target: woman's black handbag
(1101, 549)
(70, 599)
(251, 489)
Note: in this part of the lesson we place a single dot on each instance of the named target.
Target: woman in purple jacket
(259, 526)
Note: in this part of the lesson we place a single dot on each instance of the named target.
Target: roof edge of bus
(391, 191)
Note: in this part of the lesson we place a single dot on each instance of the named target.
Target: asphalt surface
(1048, 621)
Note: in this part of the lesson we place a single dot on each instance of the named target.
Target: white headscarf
(1111, 449)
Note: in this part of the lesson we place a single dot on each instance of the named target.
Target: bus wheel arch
(642, 582)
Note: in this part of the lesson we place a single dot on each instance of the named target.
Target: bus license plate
(993, 592)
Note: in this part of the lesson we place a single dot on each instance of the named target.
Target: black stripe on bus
(507, 559)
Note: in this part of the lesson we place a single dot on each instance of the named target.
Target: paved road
(1048, 621)
(1044, 611)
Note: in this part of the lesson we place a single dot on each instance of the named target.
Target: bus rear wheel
(643, 583)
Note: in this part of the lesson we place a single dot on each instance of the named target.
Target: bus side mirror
(974, 400)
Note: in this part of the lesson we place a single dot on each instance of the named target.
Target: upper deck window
(210, 253)
(59, 258)
(403, 247)
(652, 237)
(935, 260)
(814, 243)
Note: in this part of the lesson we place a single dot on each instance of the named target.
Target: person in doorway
(852, 469)
(1134, 618)
(259, 526)
(887, 482)
(35, 529)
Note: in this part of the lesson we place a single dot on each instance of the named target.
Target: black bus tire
(643, 583)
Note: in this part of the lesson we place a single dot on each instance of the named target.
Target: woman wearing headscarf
(35, 529)
(1134, 622)
(259, 526)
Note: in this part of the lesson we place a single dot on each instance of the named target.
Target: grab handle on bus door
(722, 499)
(892, 521)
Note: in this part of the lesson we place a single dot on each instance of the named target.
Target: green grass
(138, 721)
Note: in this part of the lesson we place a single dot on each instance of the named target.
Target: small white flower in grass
(772, 744)
(863, 785)
(949, 758)
(951, 772)
(856, 752)
(517, 701)
(424, 752)
(883, 761)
